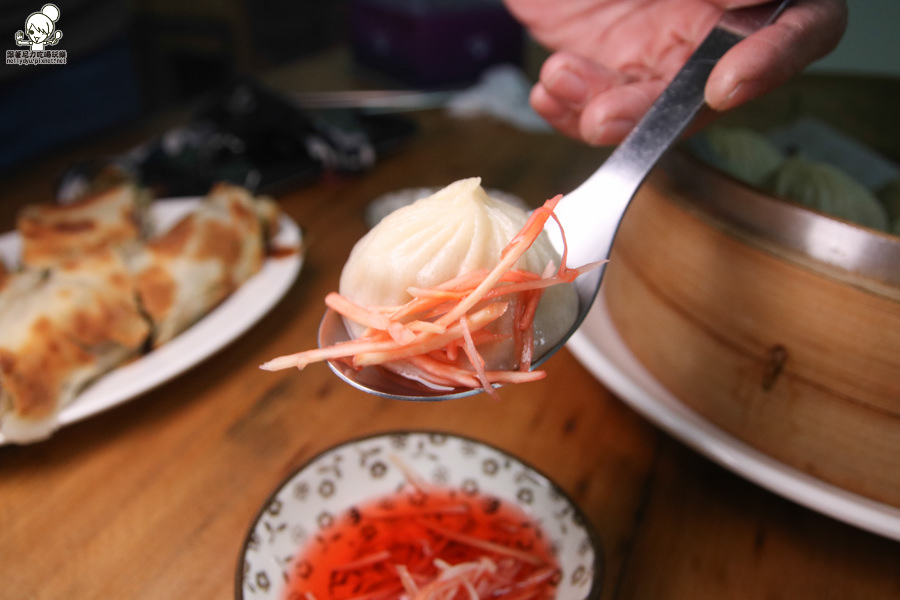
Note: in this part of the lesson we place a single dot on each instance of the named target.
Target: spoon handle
(606, 194)
(684, 96)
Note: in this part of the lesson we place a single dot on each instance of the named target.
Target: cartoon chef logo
(40, 34)
(40, 29)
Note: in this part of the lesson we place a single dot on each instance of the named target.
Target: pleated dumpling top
(454, 231)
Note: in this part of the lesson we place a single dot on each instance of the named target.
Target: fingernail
(743, 92)
(610, 132)
(569, 86)
(731, 97)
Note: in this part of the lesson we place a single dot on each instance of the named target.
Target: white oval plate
(241, 310)
(598, 346)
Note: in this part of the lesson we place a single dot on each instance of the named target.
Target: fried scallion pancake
(59, 330)
(95, 291)
(185, 272)
(114, 218)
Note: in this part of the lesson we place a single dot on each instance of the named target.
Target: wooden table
(153, 499)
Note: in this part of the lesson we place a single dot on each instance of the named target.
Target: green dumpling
(889, 195)
(828, 189)
(744, 154)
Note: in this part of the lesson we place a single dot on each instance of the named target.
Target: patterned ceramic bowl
(341, 478)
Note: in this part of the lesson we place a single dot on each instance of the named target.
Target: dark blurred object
(132, 58)
(44, 108)
(252, 136)
(180, 58)
(185, 49)
(429, 43)
(284, 31)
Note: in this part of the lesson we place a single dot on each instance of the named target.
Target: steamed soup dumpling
(889, 195)
(827, 188)
(454, 231)
(743, 153)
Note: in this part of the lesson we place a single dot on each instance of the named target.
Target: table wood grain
(152, 499)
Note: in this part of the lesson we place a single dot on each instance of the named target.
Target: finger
(560, 115)
(567, 83)
(574, 80)
(804, 33)
(732, 4)
(608, 117)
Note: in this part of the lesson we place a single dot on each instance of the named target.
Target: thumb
(804, 33)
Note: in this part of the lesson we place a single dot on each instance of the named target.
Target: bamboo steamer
(777, 324)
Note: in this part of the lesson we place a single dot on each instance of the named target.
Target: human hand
(614, 57)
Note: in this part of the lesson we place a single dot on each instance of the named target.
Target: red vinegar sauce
(405, 543)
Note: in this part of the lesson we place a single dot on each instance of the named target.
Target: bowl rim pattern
(578, 516)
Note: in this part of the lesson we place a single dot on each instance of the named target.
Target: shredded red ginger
(437, 333)
(428, 543)
(472, 580)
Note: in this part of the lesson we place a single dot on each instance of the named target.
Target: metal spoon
(591, 213)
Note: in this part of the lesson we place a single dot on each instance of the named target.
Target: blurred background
(131, 59)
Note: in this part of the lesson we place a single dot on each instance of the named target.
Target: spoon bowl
(376, 380)
(592, 212)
